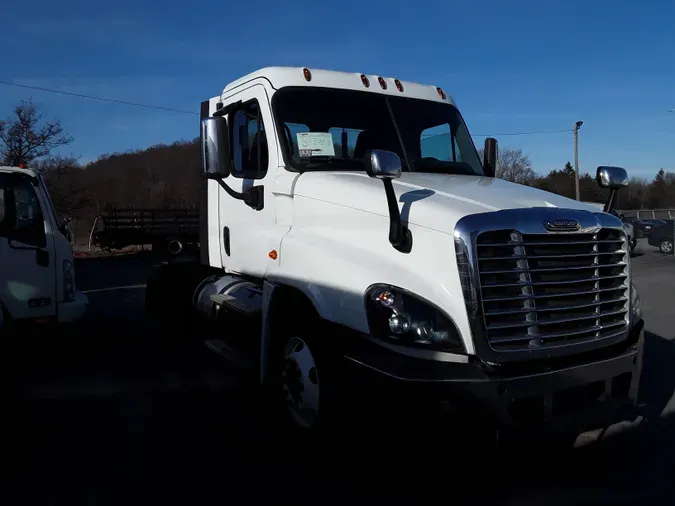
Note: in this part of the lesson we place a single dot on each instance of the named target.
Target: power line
(540, 132)
(158, 107)
(92, 97)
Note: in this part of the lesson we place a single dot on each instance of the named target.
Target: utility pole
(577, 126)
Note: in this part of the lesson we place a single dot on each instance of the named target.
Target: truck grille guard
(543, 282)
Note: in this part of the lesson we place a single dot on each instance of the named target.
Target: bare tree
(513, 165)
(66, 182)
(25, 137)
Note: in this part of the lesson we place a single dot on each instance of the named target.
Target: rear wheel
(666, 246)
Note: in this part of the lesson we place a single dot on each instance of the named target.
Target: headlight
(68, 281)
(403, 318)
(635, 305)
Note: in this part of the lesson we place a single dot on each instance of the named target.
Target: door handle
(226, 240)
(42, 257)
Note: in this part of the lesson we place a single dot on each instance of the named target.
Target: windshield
(329, 129)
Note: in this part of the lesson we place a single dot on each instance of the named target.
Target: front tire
(308, 374)
(300, 382)
(666, 246)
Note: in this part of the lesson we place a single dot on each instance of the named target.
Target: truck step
(229, 302)
(241, 361)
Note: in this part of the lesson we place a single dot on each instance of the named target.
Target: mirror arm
(610, 201)
(253, 197)
(400, 236)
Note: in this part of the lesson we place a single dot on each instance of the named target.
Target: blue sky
(515, 66)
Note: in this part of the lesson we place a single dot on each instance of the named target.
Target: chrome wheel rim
(300, 380)
(666, 246)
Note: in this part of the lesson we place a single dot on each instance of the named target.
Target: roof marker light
(382, 82)
(441, 93)
(398, 84)
(307, 74)
(365, 81)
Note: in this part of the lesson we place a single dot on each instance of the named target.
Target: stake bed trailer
(167, 230)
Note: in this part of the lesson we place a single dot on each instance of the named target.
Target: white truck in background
(348, 225)
(37, 276)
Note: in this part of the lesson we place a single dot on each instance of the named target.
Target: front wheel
(300, 382)
(666, 246)
(308, 375)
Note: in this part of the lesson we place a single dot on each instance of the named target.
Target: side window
(438, 142)
(21, 216)
(250, 156)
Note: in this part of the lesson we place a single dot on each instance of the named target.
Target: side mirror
(64, 228)
(383, 164)
(215, 148)
(612, 178)
(490, 153)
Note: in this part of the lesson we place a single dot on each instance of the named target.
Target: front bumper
(578, 394)
(70, 312)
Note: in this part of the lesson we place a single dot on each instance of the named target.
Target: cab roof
(281, 77)
(30, 172)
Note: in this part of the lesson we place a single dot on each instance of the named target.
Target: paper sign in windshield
(315, 144)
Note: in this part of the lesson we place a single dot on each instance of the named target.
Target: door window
(21, 217)
(250, 155)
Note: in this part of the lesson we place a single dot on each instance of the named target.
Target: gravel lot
(118, 414)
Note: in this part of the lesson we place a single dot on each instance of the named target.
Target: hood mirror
(612, 178)
(490, 155)
(385, 166)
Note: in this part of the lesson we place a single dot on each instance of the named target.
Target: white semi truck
(37, 275)
(349, 225)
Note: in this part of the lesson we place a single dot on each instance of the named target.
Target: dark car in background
(663, 237)
(642, 228)
(654, 222)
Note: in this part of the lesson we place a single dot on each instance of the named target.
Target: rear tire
(666, 246)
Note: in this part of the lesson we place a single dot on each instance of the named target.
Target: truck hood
(435, 201)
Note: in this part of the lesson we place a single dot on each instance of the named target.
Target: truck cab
(349, 224)
(37, 278)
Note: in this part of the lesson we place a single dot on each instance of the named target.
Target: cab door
(249, 229)
(27, 270)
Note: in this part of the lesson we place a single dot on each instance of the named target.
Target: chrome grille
(551, 290)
